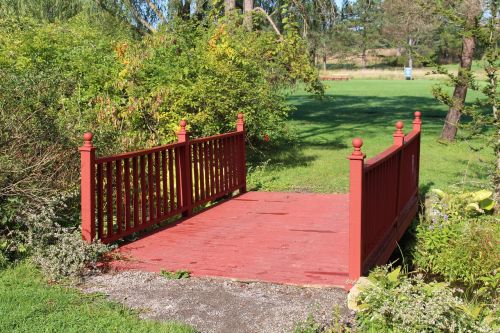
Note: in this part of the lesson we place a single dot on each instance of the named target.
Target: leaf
(393, 276)
(487, 204)
(481, 195)
(474, 206)
(438, 192)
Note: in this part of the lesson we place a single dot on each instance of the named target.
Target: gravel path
(218, 305)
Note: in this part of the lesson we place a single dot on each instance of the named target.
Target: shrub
(455, 241)
(336, 324)
(396, 302)
(50, 235)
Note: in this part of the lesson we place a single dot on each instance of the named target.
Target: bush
(337, 324)
(49, 235)
(457, 241)
(395, 302)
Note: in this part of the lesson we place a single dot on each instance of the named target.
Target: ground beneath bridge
(290, 238)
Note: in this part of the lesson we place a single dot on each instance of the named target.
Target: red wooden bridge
(175, 192)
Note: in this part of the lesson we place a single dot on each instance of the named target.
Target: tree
(466, 15)
(367, 22)
(407, 24)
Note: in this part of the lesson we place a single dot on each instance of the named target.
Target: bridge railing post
(184, 165)
(356, 164)
(87, 189)
(240, 127)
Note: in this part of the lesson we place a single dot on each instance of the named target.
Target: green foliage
(453, 241)
(396, 302)
(336, 324)
(30, 304)
(177, 275)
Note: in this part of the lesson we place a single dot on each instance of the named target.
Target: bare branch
(156, 10)
(269, 19)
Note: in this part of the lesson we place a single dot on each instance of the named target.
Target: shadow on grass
(331, 123)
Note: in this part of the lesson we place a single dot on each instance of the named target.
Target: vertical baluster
(135, 175)
(233, 164)
(201, 161)
(109, 197)
(127, 194)
(164, 181)
(226, 163)
(212, 166)
(157, 172)
(100, 201)
(119, 201)
(151, 199)
(144, 214)
(217, 165)
(207, 174)
(177, 177)
(171, 178)
(194, 151)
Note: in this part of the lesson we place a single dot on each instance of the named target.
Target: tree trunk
(229, 5)
(247, 10)
(324, 62)
(363, 58)
(460, 93)
(410, 55)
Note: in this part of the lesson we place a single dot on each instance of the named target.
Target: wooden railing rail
(383, 198)
(126, 193)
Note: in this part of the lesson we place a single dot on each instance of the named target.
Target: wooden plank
(109, 198)
(164, 167)
(100, 201)
(178, 173)
(157, 172)
(135, 175)
(127, 194)
(171, 179)
(194, 149)
(151, 198)
(144, 193)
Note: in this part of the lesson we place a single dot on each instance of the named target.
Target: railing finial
(182, 135)
(240, 123)
(87, 139)
(399, 135)
(417, 123)
(357, 143)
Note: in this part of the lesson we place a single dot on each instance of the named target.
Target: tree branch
(138, 17)
(260, 9)
(157, 11)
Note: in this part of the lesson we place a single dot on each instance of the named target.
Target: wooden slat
(119, 198)
(164, 181)
(144, 193)
(157, 172)
(135, 175)
(206, 167)
(109, 197)
(100, 201)
(194, 150)
(151, 200)
(216, 165)
(178, 190)
(171, 179)
(127, 194)
(201, 161)
(212, 173)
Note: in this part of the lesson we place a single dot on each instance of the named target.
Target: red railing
(383, 198)
(126, 193)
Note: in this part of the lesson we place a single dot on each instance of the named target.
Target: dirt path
(218, 305)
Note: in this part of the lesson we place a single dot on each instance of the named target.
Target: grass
(29, 304)
(366, 109)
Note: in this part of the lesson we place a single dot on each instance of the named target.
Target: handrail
(128, 192)
(383, 198)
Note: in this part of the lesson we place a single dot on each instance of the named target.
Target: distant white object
(408, 73)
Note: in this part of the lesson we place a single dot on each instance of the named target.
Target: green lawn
(28, 304)
(368, 109)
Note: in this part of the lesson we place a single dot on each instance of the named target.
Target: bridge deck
(293, 238)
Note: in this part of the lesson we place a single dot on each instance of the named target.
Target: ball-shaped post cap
(357, 143)
(183, 123)
(418, 114)
(399, 125)
(87, 137)
(240, 116)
